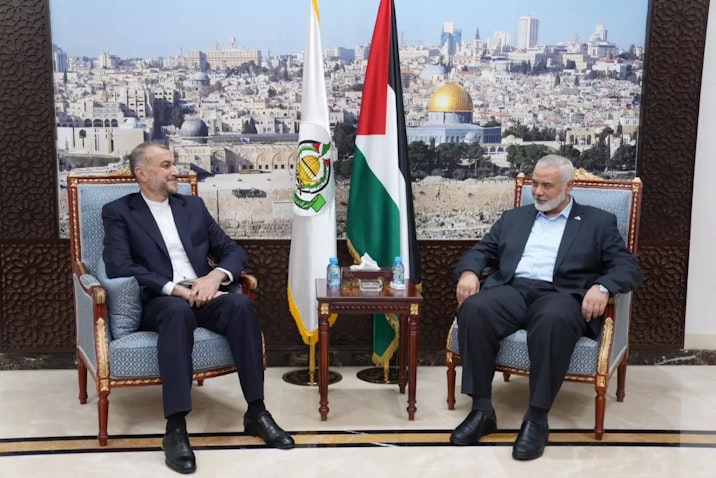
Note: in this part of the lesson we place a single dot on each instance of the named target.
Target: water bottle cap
(333, 260)
(398, 260)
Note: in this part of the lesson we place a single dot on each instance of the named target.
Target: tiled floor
(666, 427)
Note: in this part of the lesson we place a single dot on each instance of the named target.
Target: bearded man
(555, 264)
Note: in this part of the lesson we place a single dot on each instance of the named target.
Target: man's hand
(205, 289)
(468, 285)
(594, 303)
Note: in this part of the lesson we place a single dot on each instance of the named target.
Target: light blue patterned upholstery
(615, 201)
(513, 352)
(623, 199)
(132, 353)
(513, 349)
(135, 355)
(92, 197)
(108, 311)
(84, 319)
(124, 303)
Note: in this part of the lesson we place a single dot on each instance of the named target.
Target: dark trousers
(553, 321)
(231, 315)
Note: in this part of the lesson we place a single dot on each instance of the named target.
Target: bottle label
(333, 276)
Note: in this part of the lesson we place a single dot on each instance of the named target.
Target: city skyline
(279, 25)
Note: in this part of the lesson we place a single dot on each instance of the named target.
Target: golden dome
(450, 98)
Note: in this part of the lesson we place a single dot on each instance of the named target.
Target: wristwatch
(603, 289)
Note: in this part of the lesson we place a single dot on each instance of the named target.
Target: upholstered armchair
(593, 361)
(108, 311)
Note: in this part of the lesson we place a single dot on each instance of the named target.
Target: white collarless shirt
(181, 267)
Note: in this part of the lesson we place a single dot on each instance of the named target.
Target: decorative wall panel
(36, 302)
(667, 148)
(28, 178)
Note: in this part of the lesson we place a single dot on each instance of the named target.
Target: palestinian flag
(380, 205)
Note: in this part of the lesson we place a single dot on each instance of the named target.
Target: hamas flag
(313, 237)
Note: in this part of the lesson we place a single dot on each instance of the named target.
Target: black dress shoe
(265, 427)
(531, 441)
(474, 427)
(177, 451)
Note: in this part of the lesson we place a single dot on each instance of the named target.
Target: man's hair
(566, 168)
(138, 155)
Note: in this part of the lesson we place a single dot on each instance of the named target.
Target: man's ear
(569, 186)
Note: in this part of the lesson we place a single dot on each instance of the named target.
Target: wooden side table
(349, 300)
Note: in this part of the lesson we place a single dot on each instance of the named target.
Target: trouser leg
(554, 325)
(234, 316)
(484, 319)
(174, 320)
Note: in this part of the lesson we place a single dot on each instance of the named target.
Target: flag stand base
(377, 375)
(303, 377)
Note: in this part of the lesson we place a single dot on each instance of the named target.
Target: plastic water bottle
(333, 273)
(398, 272)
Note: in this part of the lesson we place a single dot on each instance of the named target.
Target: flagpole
(313, 237)
(312, 364)
(307, 376)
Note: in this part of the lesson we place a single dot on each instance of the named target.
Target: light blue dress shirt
(540, 253)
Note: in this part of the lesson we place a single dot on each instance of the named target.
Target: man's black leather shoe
(265, 427)
(177, 451)
(474, 427)
(530, 441)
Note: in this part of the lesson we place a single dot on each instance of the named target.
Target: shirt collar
(564, 212)
(151, 203)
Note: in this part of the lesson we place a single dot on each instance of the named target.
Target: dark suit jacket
(591, 252)
(133, 245)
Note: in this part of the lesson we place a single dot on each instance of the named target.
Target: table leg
(403, 351)
(323, 364)
(413, 365)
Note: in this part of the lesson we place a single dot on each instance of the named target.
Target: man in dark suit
(164, 240)
(555, 263)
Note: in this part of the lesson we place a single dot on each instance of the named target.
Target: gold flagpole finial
(318, 12)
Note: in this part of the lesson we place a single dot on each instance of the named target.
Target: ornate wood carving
(28, 178)
(670, 113)
(36, 286)
(36, 298)
(659, 306)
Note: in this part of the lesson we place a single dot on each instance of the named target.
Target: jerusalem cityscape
(480, 107)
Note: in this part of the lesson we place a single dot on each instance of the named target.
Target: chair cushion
(513, 352)
(135, 355)
(124, 304)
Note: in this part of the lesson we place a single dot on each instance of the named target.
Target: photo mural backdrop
(487, 91)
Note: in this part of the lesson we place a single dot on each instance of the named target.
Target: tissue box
(385, 275)
(370, 286)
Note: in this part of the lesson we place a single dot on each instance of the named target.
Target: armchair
(593, 361)
(108, 311)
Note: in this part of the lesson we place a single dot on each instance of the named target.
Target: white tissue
(366, 264)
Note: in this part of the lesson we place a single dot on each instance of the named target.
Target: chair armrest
(622, 316)
(249, 285)
(92, 324)
(619, 311)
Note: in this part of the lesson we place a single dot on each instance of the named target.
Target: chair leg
(200, 382)
(103, 413)
(82, 380)
(450, 362)
(600, 403)
(621, 378)
(506, 376)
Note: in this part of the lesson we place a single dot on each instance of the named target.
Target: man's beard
(171, 185)
(553, 204)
